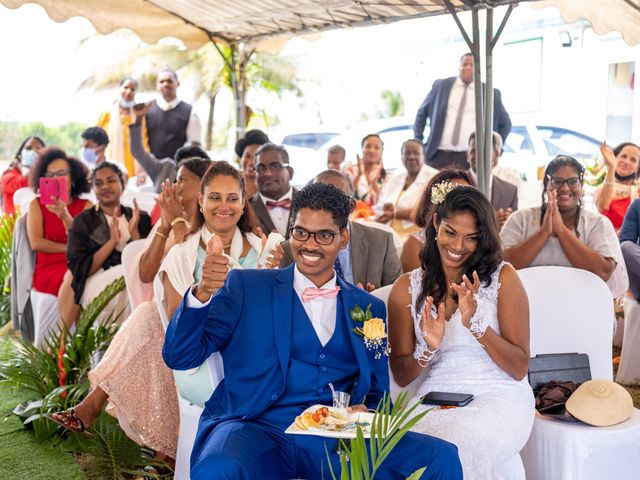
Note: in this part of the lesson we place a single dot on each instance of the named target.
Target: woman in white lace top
(464, 314)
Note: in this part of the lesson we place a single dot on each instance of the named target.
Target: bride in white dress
(465, 318)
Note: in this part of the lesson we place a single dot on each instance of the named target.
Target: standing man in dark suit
(272, 203)
(171, 123)
(504, 195)
(450, 108)
(370, 259)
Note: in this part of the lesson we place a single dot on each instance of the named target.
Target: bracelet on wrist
(160, 234)
(178, 220)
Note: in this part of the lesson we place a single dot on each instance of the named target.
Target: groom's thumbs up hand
(214, 270)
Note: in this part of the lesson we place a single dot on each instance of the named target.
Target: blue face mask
(89, 155)
(28, 157)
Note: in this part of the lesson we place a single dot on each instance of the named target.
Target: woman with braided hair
(561, 232)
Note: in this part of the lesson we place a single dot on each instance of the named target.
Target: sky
(47, 61)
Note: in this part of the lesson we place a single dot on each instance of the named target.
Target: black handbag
(548, 369)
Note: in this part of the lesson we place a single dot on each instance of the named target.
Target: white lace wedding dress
(496, 424)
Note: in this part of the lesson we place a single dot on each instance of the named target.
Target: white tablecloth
(576, 451)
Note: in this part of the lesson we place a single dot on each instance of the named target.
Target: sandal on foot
(69, 420)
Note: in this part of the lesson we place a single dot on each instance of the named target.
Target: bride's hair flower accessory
(372, 331)
(440, 191)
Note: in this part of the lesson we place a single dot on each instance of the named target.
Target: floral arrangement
(440, 191)
(372, 330)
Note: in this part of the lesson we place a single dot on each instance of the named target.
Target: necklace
(226, 246)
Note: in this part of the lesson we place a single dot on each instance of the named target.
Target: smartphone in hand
(51, 188)
(447, 399)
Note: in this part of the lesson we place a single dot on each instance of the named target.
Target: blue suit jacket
(434, 108)
(249, 322)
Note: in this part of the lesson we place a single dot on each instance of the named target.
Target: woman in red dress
(620, 186)
(17, 175)
(47, 225)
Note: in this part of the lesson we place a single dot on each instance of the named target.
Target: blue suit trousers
(237, 450)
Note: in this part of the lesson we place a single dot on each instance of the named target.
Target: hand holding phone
(447, 399)
(52, 188)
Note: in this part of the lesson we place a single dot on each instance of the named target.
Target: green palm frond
(113, 455)
(29, 367)
(7, 222)
(390, 424)
(37, 370)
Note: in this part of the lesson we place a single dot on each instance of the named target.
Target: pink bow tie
(286, 204)
(313, 292)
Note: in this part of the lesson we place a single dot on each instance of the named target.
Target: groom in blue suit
(284, 335)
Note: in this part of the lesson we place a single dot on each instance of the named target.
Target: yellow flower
(373, 329)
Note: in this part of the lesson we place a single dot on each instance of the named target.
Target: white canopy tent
(267, 24)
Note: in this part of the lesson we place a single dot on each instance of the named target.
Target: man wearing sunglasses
(285, 336)
(272, 203)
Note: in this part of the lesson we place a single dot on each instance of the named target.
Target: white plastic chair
(394, 389)
(189, 420)
(130, 266)
(22, 197)
(45, 317)
(189, 412)
(146, 200)
(629, 369)
(571, 311)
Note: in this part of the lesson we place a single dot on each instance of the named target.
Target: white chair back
(394, 389)
(146, 200)
(570, 310)
(22, 197)
(130, 266)
(383, 294)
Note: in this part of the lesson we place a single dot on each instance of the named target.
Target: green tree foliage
(66, 136)
(393, 104)
(212, 69)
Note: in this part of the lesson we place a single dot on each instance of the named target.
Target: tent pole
(487, 140)
(477, 82)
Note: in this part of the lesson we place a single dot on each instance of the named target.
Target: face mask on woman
(28, 157)
(126, 103)
(89, 155)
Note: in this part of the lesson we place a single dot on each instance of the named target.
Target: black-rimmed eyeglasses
(58, 173)
(558, 182)
(323, 237)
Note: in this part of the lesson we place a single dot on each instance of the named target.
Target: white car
(308, 162)
(527, 150)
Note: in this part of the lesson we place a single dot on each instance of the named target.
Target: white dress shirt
(468, 124)
(279, 216)
(194, 129)
(321, 310)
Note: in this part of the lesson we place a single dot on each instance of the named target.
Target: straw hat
(600, 403)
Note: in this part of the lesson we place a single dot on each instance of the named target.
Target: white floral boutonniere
(372, 331)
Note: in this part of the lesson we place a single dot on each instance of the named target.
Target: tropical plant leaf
(113, 455)
(417, 474)
(390, 424)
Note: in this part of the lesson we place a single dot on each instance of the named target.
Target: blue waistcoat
(312, 367)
